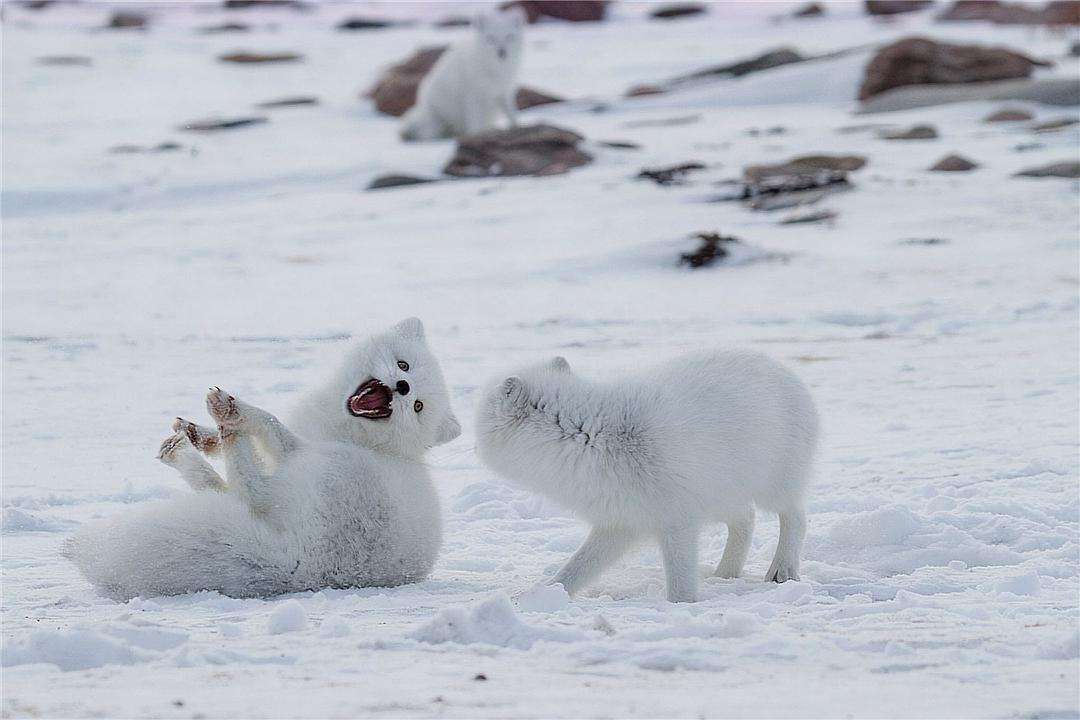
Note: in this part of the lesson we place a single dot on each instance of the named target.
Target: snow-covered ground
(941, 565)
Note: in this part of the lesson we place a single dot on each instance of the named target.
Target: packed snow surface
(934, 319)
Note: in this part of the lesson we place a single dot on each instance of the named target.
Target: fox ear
(450, 429)
(560, 364)
(411, 328)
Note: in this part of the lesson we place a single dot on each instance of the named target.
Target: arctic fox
(343, 501)
(702, 438)
(472, 83)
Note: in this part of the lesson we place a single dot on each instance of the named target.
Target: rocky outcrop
(251, 58)
(670, 12)
(920, 61)
(1066, 169)
(526, 98)
(895, 7)
(915, 132)
(953, 163)
(809, 10)
(525, 150)
(392, 181)
(126, 20)
(805, 165)
(1008, 115)
(765, 61)
(569, 10)
(1060, 12)
(222, 124)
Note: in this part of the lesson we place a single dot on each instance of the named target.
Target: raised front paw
(222, 407)
(173, 446)
(202, 438)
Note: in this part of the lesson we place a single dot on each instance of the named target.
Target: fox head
(499, 37)
(389, 395)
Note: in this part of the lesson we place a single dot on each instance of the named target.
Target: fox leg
(178, 451)
(603, 547)
(739, 533)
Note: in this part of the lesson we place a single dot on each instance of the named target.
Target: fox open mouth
(371, 400)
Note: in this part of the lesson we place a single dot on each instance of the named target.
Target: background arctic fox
(699, 439)
(339, 498)
(472, 83)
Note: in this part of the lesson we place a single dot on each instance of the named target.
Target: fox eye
(403, 365)
(418, 405)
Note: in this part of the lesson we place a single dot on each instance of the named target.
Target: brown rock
(224, 28)
(365, 23)
(1054, 125)
(392, 181)
(670, 12)
(805, 165)
(765, 61)
(645, 89)
(250, 58)
(895, 7)
(1060, 12)
(244, 4)
(289, 102)
(673, 175)
(124, 20)
(526, 98)
(1008, 115)
(453, 21)
(1066, 169)
(569, 10)
(919, 61)
(915, 132)
(954, 163)
(221, 124)
(524, 150)
(813, 216)
(709, 251)
(809, 10)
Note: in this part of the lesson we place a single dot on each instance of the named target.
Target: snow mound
(544, 599)
(68, 650)
(885, 526)
(287, 617)
(489, 622)
(16, 521)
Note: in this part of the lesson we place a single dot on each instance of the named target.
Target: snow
(941, 574)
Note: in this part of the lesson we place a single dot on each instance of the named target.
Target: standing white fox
(703, 438)
(472, 83)
(340, 499)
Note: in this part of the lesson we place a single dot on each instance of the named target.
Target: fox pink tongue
(368, 401)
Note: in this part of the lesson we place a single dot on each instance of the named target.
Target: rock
(618, 145)
(221, 124)
(231, 27)
(709, 251)
(1028, 147)
(125, 20)
(1054, 125)
(289, 102)
(363, 23)
(805, 165)
(670, 12)
(924, 241)
(160, 147)
(1061, 91)
(645, 89)
(524, 150)
(1061, 12)
(1065, 169)
(919, 61)
(809, 10)
(895, 7)
(526, 98)
(915, 132)
(65, 61)
(250, 58)
(1008, 115)
(36, 4)
(765, 61)
(453, 21)
(953, 163)
(395, 91)
(1074, 49)
(393, 181)
(813, 216)
(673, 175)
(245, 4)
(569, 10)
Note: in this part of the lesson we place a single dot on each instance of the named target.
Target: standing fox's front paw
(222, 407)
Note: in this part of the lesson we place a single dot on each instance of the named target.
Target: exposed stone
(895, 7)
(1008, 115)
(1054, 125)
(250, 58)
(65, 61)
(222, 124)
(244, 4)
(1060, 91)
(709, 251)
(1066, 169)
(1074, 49)
(915, 132)
(364, 23)
(392, 181)
(526, 98)
(765, 61)
(289, 102)
(919, 61)
(125, 20)
(953, 163)
(231, 27)
(669, 12)
(167, 146)
(618, 145)
(524, 150)
(569, 10)
(1060, 12)
(645, 89)
(453, 21)
(805, 165)
(672, 175)
(814, 216)
(809, 10)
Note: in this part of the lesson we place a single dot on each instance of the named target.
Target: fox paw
(783, 571)
(173, 448)
(222, 407)
(202, 438)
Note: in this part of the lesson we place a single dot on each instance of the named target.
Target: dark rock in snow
(895, 7)
(814, 216)
(915, 132)
(1054, 125)
(526, 98)
(924, 241)
(569, 10)
(131, 149)
(231, 27)
(645, 89)
(709, 251)
(65, 61)
(1059, 12)
(805, 165)
(126, 20)
(222, 124)
(480, 676)
(672, 175)
(363, 23)
(618, 145)
(1074, 49)
(1008, 115)
(920, 61)
(250, 58)
(765, 61)
(809, 10)
(289, 102)
(670, 12)
(244, 4)
(393, 181)
(524, 150)
(953, 163)
(453, 21)
(1066, 169)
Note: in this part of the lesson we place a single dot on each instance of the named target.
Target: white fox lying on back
(347, 502)
(703, 438)
(472, 83)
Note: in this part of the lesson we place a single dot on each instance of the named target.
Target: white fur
(346, 501)
(703, 438)
(472, 84)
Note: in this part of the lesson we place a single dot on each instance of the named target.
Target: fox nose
(402, 387)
